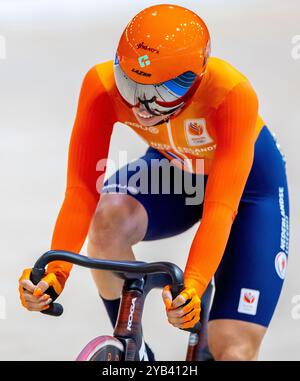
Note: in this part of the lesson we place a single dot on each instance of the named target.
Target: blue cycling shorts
(250, 276)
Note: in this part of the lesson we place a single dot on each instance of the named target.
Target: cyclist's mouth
(145, 118)
(144, 114)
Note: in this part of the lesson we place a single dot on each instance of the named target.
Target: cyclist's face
(153, 104)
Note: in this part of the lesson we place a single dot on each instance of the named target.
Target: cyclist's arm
(89, 143)
(235, 119)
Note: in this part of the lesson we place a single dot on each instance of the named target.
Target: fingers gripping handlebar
(137, 269)
(55, 309)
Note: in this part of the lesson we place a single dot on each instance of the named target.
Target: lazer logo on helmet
(141, 45)
(140, 72)
(144, 61)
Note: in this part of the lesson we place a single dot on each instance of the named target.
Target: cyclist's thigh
(250, 277)
(159, 187)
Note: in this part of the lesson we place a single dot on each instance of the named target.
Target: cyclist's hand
(33, 297)
(180, 315)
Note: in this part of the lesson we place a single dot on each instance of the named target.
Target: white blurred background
(49, 46)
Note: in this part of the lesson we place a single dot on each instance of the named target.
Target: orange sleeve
(235, 120)
(89, 143)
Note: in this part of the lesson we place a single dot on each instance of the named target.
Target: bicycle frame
(128, 328)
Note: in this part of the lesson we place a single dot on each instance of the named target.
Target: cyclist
(189, 108)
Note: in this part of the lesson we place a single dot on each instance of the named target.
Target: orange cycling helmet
(161, 43)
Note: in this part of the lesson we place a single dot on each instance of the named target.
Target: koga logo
(131, 312)
(140, 72)
(142, 45)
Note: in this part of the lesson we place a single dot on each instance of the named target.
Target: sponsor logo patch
(196, 132)
(281, 264)
(143, 46)
(140, 72)
(144, 61)
(151, 129)
(248, 301)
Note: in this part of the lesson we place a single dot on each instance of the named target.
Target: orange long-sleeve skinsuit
(227, 108)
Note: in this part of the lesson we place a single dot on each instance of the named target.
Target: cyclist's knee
(231, 340)
(118, 220)
(234, 352)
(109, 222)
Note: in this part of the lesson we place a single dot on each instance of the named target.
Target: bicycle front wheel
(102, 348)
